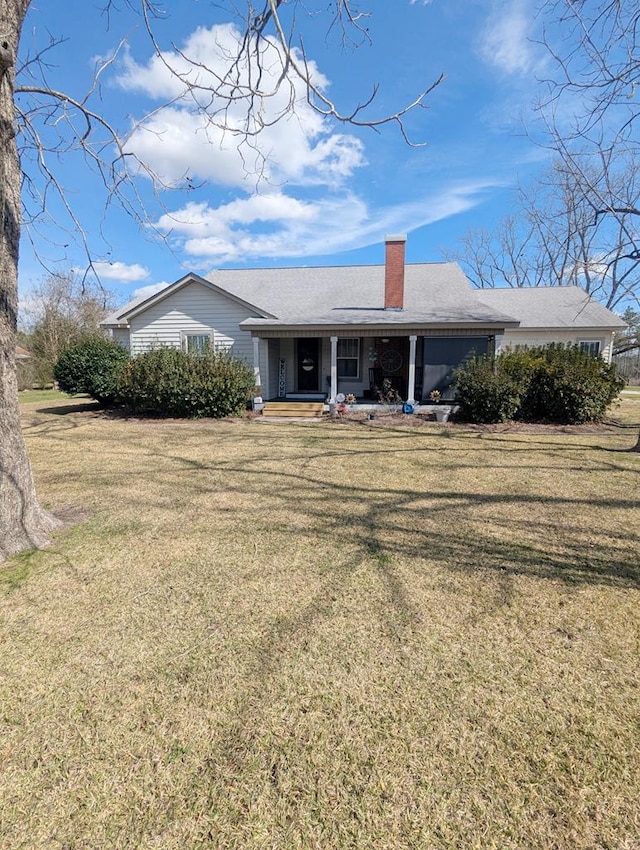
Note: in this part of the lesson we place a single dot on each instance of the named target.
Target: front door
(392, 357)
(308, 354)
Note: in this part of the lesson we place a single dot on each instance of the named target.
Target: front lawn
(44, 396)
(332, 635)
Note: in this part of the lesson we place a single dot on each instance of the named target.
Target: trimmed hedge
(555, 383)
(169, 382)
(91, 366)
(569, 385)
(485, 394)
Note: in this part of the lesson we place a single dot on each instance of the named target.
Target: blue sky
(331, 192)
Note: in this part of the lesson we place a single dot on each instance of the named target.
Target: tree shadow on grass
(400, 531)
(250, 739)
(547, 536)
(537, 533)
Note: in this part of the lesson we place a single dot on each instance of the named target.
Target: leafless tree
(591, 112)
(596, 71)
(62, 309)
(260, 83)
(553, 238)
(581, 224)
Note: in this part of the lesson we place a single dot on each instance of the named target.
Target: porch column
(609, 354)
(334, 370)
(411, 390)
(256, 365)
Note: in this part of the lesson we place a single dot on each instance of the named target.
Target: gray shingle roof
(551, 307)
(435, 293)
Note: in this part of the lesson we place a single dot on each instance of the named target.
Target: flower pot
(442, 414)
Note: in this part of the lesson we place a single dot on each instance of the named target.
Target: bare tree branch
(554, 238)
(264, 78)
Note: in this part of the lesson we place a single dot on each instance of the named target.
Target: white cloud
(147, 291)
(278, 226)
(201, 136)
(506, 41)
(121, 271)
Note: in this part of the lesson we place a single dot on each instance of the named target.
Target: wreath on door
(390, 361)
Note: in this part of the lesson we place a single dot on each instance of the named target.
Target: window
(197, 343)
(592, 346)
(348, 358)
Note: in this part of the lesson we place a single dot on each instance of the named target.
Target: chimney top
(394, 272)
(396, 237)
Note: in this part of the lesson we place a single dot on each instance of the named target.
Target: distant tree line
(60, 312)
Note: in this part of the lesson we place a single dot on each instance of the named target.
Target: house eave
(274, 329)
(572, 328)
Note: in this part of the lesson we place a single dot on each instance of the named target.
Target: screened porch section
(317, 367)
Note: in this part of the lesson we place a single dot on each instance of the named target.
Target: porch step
(297, 409)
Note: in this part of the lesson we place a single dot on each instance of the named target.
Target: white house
(315, 332)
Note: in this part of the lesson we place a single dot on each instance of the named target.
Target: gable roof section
(121, 317)
(434, 294)
(549, 307)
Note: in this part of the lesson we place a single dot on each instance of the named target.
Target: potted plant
(441, 413)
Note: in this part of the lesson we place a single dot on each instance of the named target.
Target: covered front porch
(368, 367)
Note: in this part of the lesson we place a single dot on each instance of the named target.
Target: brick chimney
(394, 272)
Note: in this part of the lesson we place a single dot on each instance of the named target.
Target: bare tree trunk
(24, 524)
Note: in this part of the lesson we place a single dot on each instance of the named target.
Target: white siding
(530, 338)
(287, 353)
(121, 336)
(274, 364)
(263, 357)
(194, 309)
(346, 385)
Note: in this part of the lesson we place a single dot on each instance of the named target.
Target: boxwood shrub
(91, 366)
(569, 385)
(484, 393)
(169, 382)
(555, 383)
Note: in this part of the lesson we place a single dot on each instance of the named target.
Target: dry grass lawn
(324, 636)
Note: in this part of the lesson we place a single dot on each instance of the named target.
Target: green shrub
(555, 383)
(484, 393)
(520, 365)
(569, 386)
(91, 366)
(170, 382)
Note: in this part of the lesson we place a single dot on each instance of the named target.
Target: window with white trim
(197, 343)
(348, 358)
(592, 346)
